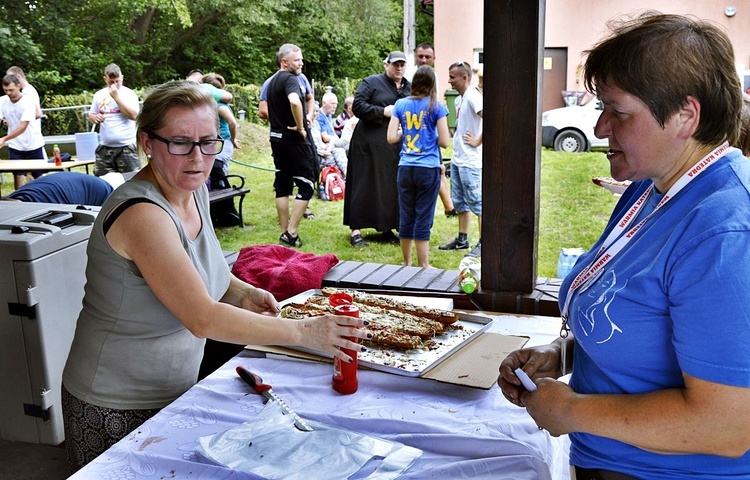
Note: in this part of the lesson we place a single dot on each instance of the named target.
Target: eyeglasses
(461, 63)
(185, 147)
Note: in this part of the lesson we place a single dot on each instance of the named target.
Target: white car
(571, 129)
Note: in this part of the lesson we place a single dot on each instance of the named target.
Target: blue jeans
(466, 189)
(417, 195)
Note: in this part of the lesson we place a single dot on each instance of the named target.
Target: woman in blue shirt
(657, 311)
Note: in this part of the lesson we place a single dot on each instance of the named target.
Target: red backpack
(333, 182)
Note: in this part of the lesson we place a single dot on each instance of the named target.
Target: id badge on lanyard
(623, 233)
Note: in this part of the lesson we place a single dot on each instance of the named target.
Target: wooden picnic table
(14, 166)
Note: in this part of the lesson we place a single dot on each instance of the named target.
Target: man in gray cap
(371, 196)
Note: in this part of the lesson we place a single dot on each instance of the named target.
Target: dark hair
(743, 140)
(10, 78)
(423, 85)
(425, 46)
(663, 59)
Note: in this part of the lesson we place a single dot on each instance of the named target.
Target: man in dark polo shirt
(293, 155)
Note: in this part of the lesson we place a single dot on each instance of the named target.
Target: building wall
(459, 30)
(575, 25)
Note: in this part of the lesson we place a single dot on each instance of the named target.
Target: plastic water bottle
(56, 155)
(469, 274)
(566, 260)
(322, 192)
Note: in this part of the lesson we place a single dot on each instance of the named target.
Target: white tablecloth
(463, 432)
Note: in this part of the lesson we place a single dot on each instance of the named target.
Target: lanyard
(623, 233)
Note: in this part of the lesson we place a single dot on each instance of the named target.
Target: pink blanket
(283, 271)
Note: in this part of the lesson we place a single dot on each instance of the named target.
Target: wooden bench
(236, 189)
(434, 282)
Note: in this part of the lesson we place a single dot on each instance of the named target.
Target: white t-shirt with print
(117, 130)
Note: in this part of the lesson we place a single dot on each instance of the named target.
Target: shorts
(295, 165)
(466, 189)
(116, 159)
(35, 154)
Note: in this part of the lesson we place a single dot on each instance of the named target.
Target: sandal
(290, 240)
(308, 214)
(451, 213)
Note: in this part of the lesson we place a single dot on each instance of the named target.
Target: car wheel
(570, 141)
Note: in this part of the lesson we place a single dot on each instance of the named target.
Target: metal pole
(409, 26)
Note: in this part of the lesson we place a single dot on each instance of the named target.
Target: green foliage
(246, 97)
(18, 47)
(425, 25)
(64, 46)
(63, 121)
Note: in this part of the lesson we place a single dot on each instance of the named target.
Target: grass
(573, 211)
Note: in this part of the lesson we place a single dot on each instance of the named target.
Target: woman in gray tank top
(158, 285)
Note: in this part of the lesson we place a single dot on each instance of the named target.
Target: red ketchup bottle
(345, 374)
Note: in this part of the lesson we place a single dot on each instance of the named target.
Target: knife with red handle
(264, 389)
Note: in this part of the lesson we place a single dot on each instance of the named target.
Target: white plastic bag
(271, 446)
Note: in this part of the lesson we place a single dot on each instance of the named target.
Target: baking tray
(410, 363)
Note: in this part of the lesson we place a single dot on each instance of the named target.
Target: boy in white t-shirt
(466, 163)
(114, 109)
(24, 138)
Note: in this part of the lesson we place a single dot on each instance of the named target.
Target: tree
(64, 46)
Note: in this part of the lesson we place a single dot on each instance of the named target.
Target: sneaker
(357, 241)
(476, 251)
(289, 240)
(456, 244)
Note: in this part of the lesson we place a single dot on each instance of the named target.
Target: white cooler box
(42, 274)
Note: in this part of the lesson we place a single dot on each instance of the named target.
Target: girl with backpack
(420, 123)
